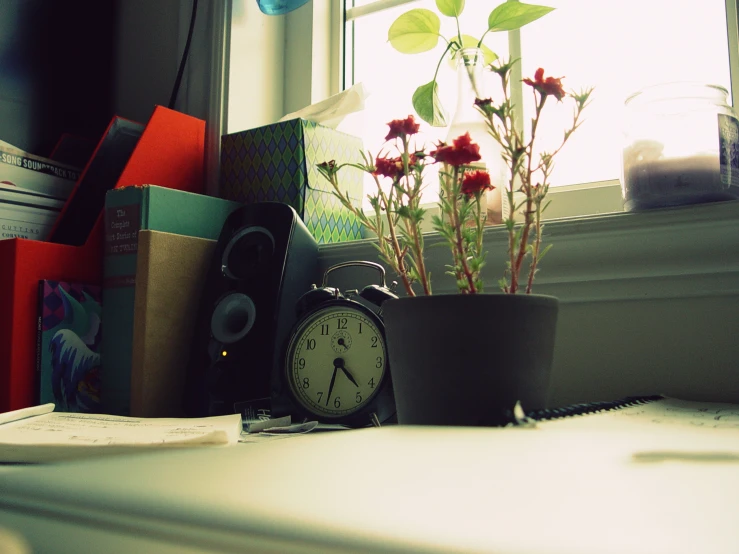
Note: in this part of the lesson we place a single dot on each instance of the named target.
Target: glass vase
(472, 83)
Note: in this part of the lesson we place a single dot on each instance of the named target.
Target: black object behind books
(101, 174)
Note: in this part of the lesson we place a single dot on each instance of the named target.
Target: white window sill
(690, 251)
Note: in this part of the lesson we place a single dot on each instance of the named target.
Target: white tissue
(331, 112)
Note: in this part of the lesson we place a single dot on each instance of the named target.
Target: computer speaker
(265, 259)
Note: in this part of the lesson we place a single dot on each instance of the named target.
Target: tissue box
(278, 162)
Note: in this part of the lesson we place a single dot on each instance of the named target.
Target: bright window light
(618, 48)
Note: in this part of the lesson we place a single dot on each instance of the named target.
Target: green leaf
(510, 16)
(415, 31)
(404, 211)
(543, 252)
(428, 106)
(450, 8)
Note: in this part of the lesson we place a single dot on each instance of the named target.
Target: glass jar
(681, 146)
(472, 84)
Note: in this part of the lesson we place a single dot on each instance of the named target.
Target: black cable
(177, 82)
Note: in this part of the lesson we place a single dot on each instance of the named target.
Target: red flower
(550, 85)
(400, 128)
(389, 167)
(475, 182)
(462, 152)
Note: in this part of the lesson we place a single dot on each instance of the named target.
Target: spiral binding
(591, 407)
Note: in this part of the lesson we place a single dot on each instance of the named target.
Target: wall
(256, 80)
(147, 57)
(55, 62)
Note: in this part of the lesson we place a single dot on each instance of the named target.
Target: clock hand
(339, 362)
(331, 386)
(349, 376)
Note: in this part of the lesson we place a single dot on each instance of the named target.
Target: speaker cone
(232, 318)
(248, 253)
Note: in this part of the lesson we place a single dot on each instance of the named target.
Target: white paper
(331, 112)
(59, 435)
(23, 413)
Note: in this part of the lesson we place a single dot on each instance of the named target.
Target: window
(618, 48)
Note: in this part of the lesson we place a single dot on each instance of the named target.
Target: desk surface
(398, 489)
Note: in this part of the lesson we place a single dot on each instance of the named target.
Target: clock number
(359, 398)
(301, 363)
(371, 383)
(360, 327)
(337, 402)
(341, 323)
(320, 395)
(311, 344)
(379, 361)
(374, 342)
(306, 383)
(324, 329)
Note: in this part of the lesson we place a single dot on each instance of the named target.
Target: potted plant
(441, 372)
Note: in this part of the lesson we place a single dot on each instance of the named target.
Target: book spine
(123, 221)
(8, 262)
(44, 178)
(26, 225)
(39, 164)
(39, 335)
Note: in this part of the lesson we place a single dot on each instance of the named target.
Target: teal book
(129, 210)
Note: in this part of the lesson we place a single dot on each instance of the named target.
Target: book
(10, 195)
(171, 272)
(39, 434)
(101, 174)
(72, 149)
(35, 173)
(127, 211)
(68, 345)
(26, 222)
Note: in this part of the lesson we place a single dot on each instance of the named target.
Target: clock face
(336, 361)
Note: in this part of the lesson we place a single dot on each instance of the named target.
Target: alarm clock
(336, 364)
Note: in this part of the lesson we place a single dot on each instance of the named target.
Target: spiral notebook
(656, 413)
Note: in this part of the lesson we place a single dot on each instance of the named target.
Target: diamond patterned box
(278, 162)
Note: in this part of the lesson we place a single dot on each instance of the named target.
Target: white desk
(396, 489)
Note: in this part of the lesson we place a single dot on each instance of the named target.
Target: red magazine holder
(170, 153)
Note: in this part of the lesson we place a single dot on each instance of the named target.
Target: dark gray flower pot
(467, 359)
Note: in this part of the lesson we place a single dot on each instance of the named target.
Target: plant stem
(395, 245)
(536, 247)
(528, 190)
(457, 224)
(412, 226)
(480, 226)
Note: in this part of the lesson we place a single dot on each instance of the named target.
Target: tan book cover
(170, 275)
